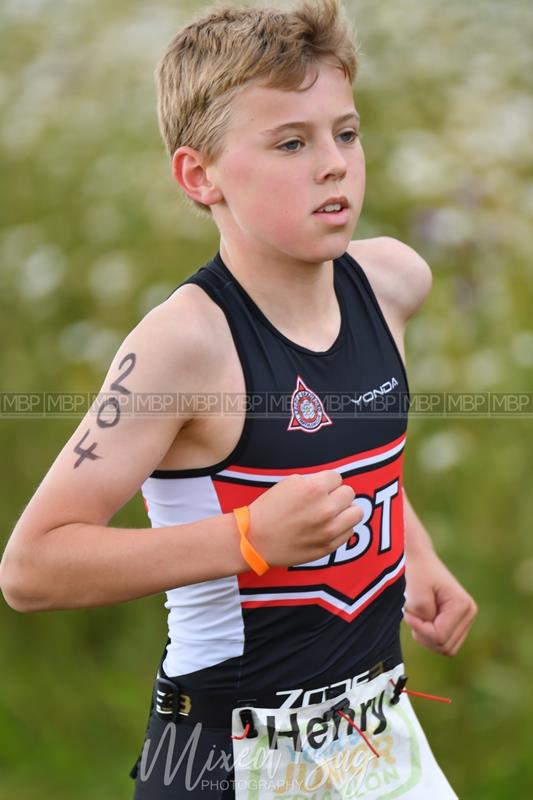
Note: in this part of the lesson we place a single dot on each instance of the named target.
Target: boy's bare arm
(62, 553)
(439, 610)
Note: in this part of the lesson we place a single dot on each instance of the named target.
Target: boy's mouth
(335, 205)
(335, 211)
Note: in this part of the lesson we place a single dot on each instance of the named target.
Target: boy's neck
(298, 298)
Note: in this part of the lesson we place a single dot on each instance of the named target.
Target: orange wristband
(249, 553)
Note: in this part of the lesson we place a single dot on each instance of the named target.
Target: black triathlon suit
(313, 624)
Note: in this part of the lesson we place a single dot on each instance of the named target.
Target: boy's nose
(331, 164)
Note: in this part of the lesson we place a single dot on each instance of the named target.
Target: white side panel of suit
(205, 622)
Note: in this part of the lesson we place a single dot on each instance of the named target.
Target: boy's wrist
(253, 558)
(231, 537)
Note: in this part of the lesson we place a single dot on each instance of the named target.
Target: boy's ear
(189, 171)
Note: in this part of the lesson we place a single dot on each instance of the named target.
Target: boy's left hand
(438, 610)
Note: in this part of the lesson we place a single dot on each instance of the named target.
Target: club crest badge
(308, 413)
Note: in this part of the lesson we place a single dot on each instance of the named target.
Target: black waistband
(174, 702)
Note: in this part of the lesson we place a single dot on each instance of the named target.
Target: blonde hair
(211, 59)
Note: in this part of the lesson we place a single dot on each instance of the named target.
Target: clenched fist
(302, 518)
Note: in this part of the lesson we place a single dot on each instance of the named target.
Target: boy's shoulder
(191, 320)
(180, 344)
(399, 276)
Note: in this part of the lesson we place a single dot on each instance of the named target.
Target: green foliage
(93, 234)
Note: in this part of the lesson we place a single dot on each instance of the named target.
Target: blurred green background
(93, 234)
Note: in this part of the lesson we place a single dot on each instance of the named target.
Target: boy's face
(272, 183)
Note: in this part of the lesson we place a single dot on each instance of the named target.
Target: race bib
(316, 753)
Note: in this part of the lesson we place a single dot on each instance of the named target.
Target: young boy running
(282, 535)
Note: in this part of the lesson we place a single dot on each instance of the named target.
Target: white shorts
(300, 754)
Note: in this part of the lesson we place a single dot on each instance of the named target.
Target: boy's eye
(351, 134)
(292, 145)
(288, 146)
